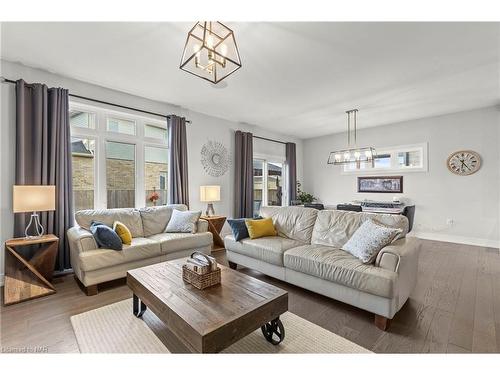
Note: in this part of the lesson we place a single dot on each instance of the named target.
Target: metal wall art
(215, 158)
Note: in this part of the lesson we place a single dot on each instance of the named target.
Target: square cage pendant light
(210, 52)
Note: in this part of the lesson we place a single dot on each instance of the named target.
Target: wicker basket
(201, 281)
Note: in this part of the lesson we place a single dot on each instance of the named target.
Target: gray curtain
(43, 157)
(291, 162)
(243, 171)
(178, 188)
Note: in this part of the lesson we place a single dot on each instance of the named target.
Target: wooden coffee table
(209, 320)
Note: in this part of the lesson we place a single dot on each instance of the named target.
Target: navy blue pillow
(105, 236)
(239, 228)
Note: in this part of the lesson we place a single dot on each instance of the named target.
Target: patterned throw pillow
(183, 221)
(239, 229)
(105, 236)
(369, 239)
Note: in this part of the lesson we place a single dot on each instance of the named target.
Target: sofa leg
(232, 265)
(91, 290)
(381, 322)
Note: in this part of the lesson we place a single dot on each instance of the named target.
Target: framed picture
(380, 184)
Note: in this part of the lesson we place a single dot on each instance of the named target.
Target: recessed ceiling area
(296, 79)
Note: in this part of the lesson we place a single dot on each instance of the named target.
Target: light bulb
(196, 48)
(357, 155)
(368, 154)
(347, 156)
(223, 49)
(210, 41)
(337, 157)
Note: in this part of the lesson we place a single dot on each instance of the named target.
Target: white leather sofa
(93, 265)
(307, 253)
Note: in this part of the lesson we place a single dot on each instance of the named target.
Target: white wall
(471, 201)
(202, 128)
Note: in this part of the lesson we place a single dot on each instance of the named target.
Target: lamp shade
(34, 198)
(210, 193)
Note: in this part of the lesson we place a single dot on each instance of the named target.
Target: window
(121, 126)
(119, 159)
(120, 175)
(268, 183)
(83, 157)
(155, 170)
(410, 158)
(81, 119)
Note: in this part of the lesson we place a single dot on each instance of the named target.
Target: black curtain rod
(269, 139)
(109, 103)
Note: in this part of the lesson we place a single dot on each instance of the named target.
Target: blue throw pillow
(239, 228)
(105, 236)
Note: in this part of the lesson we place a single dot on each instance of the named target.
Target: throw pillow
(105, 236)
(239, 229)
(183, 221)
(369, 239)
(123, 232)
(260, 228)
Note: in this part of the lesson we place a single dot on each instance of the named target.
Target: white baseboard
(456, 239)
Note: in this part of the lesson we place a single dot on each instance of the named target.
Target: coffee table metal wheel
(274, 332)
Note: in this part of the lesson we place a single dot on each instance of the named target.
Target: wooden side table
(27, 279)
(215, 224)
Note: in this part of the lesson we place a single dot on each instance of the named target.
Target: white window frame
(272, 159)
(395, 168)
(101, 135)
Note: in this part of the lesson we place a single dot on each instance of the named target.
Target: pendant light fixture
(210, 52)
(353, 154)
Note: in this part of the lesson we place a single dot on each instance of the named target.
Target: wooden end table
(29, 278)
(215, 224)
(209, 320)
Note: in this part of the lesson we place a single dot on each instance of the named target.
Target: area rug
(114, 329)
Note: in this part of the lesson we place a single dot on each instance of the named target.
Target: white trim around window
(101, 136)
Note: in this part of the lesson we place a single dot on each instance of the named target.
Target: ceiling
(297, 78)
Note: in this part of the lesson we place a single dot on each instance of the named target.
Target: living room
(305, 186)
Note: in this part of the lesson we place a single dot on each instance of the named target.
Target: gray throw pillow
(183, 221)
(369, 239)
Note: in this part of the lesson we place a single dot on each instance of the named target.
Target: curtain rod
(108, 103)
(270, 140)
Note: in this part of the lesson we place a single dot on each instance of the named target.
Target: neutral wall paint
(202, 128)
(471, 201)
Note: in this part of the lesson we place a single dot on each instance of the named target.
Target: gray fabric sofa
(307, 253)
(93, 265)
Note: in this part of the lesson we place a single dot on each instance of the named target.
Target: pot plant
(303, 196)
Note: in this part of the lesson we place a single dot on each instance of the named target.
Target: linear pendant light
(353, 154)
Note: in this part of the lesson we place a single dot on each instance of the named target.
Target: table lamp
(34, 198)
(210, 194)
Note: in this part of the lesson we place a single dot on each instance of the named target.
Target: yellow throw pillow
(123, 232)
(260, 228)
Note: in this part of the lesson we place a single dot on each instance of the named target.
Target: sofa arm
(202, 226)
(391, 256)
(81, 240)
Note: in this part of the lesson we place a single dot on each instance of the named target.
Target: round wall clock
(464, 162)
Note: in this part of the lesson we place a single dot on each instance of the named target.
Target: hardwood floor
(455, 308)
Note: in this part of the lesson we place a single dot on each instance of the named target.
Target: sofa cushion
(123, 232)
(334, 228)
(172, 242)
(141, 248)
(295, 223)
(155, 219)
(128, 216)
(267, 249)
(260, 228)
(183, 222)
(238, 228)
(105, 236)
(341, 267)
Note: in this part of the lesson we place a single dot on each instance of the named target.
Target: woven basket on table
(201, 281)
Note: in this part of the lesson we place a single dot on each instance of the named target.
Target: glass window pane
(82, 119)
(155, 175)
(157, 132)
(383, 161)
(120, 126)
(120, 174)
(410, 159)
(274, 184)
(82, 158)
(258, 185)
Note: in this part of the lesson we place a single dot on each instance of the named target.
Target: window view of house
(120, 174)
(274, 184)
(268, 184)
(155, 175)
(83, 156)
